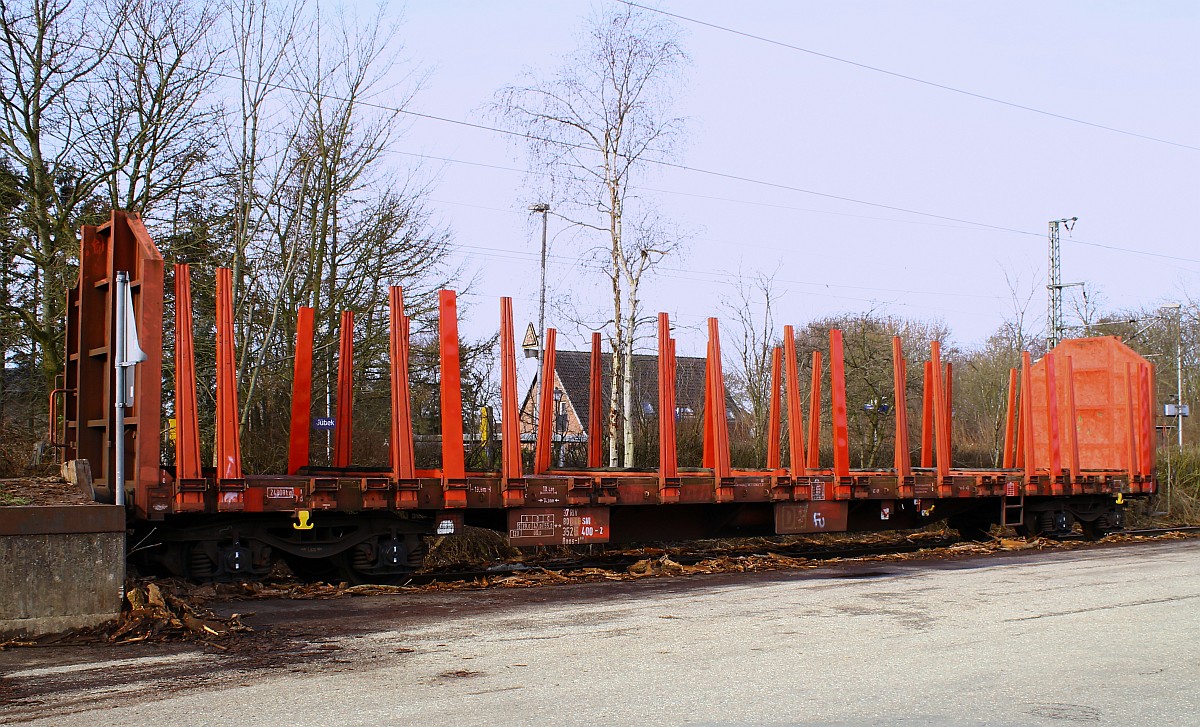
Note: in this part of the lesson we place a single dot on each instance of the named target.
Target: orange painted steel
(1133, 461)
(796, 458)
(927, 417)
(708, 454)
(596, 404)
(402, 451)
(1053, 433)
(1146, 408)
(774, 415)
(187, 416)
(229, 448)
(1072, 422)
(949, 383)
(718, 422)
(1010, 422)
(837, 395)
(1027, 443)
(814, 414)
(453, 454)
(343, 429)
(300, 434)
(941, 439)
(545, 427)
(1084, 413)
(510, 424)
(901, 460)
(668, 455)
(120, 245)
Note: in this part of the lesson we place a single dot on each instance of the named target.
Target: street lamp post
(544, 209)
(1178, 369)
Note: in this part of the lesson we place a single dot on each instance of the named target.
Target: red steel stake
(187, 418)
(708, 460)
(814, 414)
(301, 394)
(545, 428)
(1027, 442)
(343, 432)
(510, 434)
(902, 462)
(667, 452)
(949, 411)
(403, 453)
(796, 458)
(941, 437)
(719, 419)
(453, 455)
(596, 405)
(837, 394)
(229, 452)
(1010, 421)
(299, 435)
(774, 415)
(927, 417)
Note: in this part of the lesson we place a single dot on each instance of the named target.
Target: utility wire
(906, 77)
(660, 162)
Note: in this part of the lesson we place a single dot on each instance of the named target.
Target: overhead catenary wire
(663, 162)
(905, 76)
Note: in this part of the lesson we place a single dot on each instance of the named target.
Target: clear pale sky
(785, 117)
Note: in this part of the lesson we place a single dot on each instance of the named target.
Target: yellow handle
(304, 524)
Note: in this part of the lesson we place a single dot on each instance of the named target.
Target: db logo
(818, 520)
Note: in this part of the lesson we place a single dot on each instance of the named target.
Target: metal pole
(1179, 377)
(541, 332)
(118, 359)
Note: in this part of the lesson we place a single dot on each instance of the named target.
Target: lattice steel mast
(1054, 288)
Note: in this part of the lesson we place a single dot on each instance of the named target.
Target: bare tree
(755, 339)
(50, 51)
(161, 120)
(593, 126)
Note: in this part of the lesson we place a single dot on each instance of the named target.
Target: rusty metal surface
(558, 526)
(811, 517)
(57, 519)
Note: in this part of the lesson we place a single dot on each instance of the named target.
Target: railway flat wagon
(1079, 443)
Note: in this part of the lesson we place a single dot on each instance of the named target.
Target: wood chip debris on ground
(153, 613)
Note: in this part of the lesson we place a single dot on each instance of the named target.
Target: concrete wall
(61, 567)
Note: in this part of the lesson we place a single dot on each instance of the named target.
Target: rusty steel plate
(811, 517)
(558, 525)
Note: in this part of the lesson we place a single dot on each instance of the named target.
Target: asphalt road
(1096, 636)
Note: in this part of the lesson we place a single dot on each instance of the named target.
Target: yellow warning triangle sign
(531, 339)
